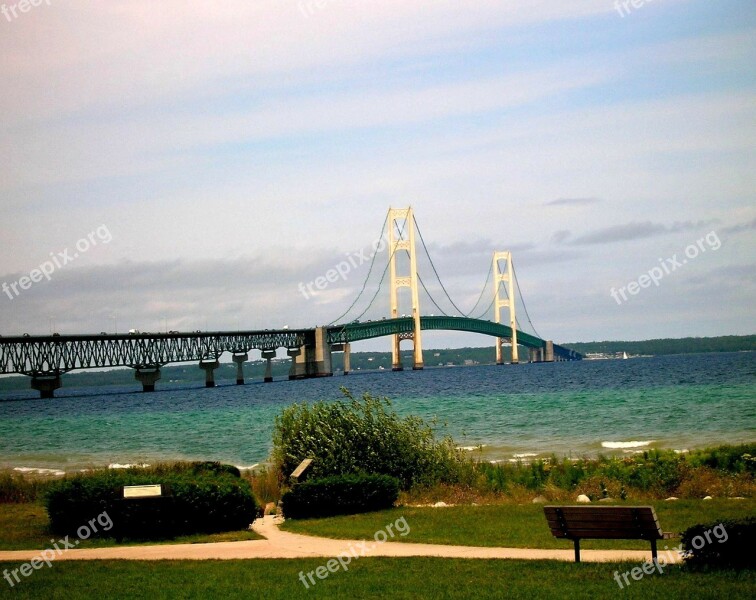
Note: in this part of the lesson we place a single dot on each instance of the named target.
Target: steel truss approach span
(42, 356)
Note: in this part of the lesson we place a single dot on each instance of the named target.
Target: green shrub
(193, 501)
(731, 459)
(18, 488)
(340, 495)
(659, 473)
(215, 467)
(728, 545)
(364, 436)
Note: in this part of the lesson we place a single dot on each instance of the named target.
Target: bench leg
(577, 551)
(653, 550)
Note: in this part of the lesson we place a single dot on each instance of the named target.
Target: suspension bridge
(46, 358)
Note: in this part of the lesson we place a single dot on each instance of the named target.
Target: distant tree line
(363, 361)
(727, 343)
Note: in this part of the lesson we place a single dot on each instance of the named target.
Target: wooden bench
(605, 523)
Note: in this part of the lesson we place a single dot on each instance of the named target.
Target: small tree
(364, 436)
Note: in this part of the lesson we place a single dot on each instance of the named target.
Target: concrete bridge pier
(147, 377)
(347, 358)
(347, 350)
(294, 353)
(209, 367)
(46, 386)
(240, 359)
(548, 351)
(314, 358)
(268, 355)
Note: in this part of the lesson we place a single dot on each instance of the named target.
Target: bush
(656, 473)
(16, 488)
(731, 459)
(340, 495)
(194, 501)
(364, 436)
(729, 545)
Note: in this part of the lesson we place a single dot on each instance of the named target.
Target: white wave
(471, 448)
(39, 471)
(525, 455)
(633, 444)
(249, 468)
(126, 466)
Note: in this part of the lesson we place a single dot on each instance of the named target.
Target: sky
(194, 165)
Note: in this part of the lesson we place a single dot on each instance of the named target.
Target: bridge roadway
(45, 358)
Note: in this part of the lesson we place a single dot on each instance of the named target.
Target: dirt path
(282, 544)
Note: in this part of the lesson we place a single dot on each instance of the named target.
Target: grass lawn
(25, 527)
(410, 578)
(509, 525)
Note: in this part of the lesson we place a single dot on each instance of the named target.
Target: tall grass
(721, 471)
(17, 488)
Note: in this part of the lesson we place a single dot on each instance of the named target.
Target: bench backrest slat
(603, 522)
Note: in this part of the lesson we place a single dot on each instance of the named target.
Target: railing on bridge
(46, 358)
(353, 332)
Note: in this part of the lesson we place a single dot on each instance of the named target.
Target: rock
(539, 500)
(583, 498)
(671, 498)
(607, 500)
(440, 505)
(270, 508)
(708, 498)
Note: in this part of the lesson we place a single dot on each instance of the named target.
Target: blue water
(573, 409)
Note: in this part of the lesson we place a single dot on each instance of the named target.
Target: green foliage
(721, 545)
(340, 495)
(197, 498)
(364, 436)
(17, 488)
(732, 459)
(725, 343)
(655, 472)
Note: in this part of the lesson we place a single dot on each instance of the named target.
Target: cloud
(739, 228)
(572, 202)
(636, 231)
(559, 237)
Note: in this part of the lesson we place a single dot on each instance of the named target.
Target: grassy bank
(410, 578)
(508, 525)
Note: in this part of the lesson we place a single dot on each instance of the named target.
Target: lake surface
(575, 409)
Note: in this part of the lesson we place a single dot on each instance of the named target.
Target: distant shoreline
(486, 454)
(375, 361)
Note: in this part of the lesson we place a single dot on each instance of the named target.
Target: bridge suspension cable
(482, 292)
(400, 237)
(446, 293)
(433, 266)
(364, 284)
(383, 276)
(522, 299)
(422, 283)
